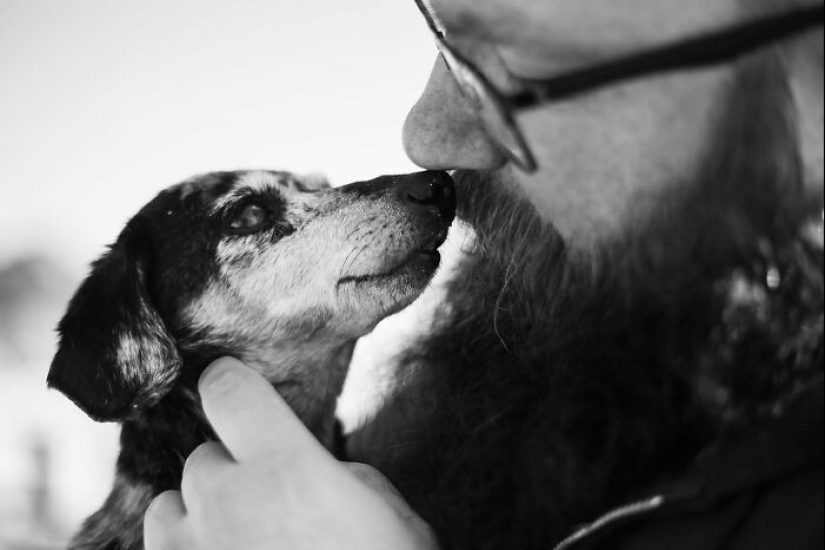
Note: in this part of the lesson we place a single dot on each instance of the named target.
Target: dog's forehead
(216, 185)
(257, 182)
(264, 180)
(205, 186)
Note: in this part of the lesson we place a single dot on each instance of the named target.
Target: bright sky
(105, 102)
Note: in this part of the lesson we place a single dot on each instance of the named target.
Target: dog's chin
(419, 265)
(411, 263)
(393, 288)
(378, 289)
(396, 289)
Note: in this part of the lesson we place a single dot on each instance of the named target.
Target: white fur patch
(129, 354)
(140, 356)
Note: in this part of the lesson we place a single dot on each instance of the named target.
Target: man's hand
(271, 485)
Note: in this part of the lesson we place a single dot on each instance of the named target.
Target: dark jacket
(760, 490)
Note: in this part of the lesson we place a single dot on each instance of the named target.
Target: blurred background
(105, 102)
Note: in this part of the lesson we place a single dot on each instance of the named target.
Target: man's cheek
(606, 159)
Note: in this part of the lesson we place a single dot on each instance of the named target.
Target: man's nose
(443, 132)
(433, 190)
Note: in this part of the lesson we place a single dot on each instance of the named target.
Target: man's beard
(556, 383)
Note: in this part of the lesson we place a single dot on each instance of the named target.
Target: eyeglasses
(496, 110)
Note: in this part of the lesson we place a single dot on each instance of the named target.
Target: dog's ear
(115, 354)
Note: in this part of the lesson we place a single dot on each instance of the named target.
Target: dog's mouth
(424, 259)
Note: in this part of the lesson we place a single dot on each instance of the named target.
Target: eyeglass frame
(700, 51)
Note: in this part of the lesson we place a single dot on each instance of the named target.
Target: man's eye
(252, 217)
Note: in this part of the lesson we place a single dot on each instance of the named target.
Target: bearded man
(631, 355)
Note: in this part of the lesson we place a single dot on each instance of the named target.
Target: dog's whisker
(344, 265)
(360, 252)
(354, 236)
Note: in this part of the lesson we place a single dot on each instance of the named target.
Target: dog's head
(246, 263)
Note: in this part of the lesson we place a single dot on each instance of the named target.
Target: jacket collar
(789, 442)
(741, 459)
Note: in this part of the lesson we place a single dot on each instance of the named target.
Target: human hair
(555, 384)
(799, 63)
(809, 44)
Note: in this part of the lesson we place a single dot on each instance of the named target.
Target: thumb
(376, 481)
(248, 415)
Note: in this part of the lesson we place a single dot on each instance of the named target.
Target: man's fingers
(376, 481)
(163, 519)
(201, 469)
(248, 415)
(381, 485)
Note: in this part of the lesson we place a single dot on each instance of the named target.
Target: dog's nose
(429, 189)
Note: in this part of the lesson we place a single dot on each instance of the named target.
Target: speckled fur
(289, 294)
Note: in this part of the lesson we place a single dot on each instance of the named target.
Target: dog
(283, 272)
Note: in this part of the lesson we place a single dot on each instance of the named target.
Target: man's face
(605, 159)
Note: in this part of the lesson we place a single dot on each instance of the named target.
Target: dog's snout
(429, 189)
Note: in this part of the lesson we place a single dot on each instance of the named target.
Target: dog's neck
(309, 376)
(156, 442)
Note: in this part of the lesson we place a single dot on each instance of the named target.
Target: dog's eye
(252, 217)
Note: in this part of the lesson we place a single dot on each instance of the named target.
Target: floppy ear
(115, 353)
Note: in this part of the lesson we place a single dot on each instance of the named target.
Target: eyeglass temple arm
(703, 51)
